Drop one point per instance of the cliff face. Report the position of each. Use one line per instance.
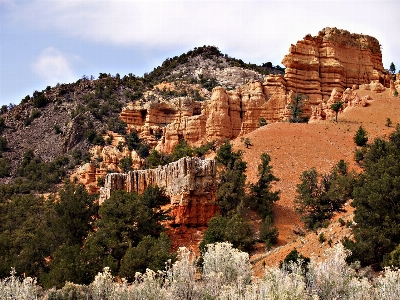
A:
(189, 182)
(333, 59)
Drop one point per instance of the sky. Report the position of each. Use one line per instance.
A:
(43, 43)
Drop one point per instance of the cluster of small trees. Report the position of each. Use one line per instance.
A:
(72, 239)
(376, 199)
(319, 196)
(233, 201)
(182, 149)
(375, 193)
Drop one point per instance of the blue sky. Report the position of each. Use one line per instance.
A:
(46, 42)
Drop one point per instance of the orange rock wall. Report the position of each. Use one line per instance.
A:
(316, 66)
(333, 59)
(189, 182)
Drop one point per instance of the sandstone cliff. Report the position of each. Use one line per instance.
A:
(333, 59)
(189, 182)
(327, 67)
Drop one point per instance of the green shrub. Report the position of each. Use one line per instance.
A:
(150, 253)
(3, 144)
(361, 137)
(319, 196)
(268, 232)
(294, 257)
(94, 137)
(359, 154)
(39, 99)
(57, 129)
(296, 108)
(2, 124)
(262, 122)
(321, 238)
(233, 229)
(116, 125)
(5, 167)
(126, 164)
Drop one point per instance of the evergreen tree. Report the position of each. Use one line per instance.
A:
(392, 68)
(181, 150)
(268, 232)
(377, 202)
(233, 229)
(150, 253)
(336, 107)
(73, 214)
(126, 218)
(319, 196)
(296, 108)
(261, 197)
(361, 137)
(231, 182)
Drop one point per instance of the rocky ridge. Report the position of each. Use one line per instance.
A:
(328, 68)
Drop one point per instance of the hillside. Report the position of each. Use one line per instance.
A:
(295, 148)
(57, 120)
(117, 140)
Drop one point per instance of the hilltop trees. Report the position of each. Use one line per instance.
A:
(392, 68)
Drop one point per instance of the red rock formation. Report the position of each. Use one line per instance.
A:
(322, 67)
(189, 182)
(333, 59)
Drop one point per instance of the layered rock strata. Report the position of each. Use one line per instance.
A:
(333, 61)
(189, 182)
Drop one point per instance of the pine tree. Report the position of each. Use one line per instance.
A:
(261, 197)
(377, 202)
(392, 68)
(231, 182)
(361, 137)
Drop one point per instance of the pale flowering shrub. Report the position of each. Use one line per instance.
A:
(103, 286)
(226, 271)
(234, 265)
(13, 287)
(69, 291)
(331, 278)
(279, 284)
(360, 288)
(226, 275)
(181, 277)
(148, 285)
(387, 286)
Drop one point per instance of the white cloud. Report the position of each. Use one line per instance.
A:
(253, 30)
(53, 66)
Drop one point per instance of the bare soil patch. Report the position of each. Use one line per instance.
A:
(295, 148)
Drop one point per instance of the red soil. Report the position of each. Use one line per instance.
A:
(295, 148)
